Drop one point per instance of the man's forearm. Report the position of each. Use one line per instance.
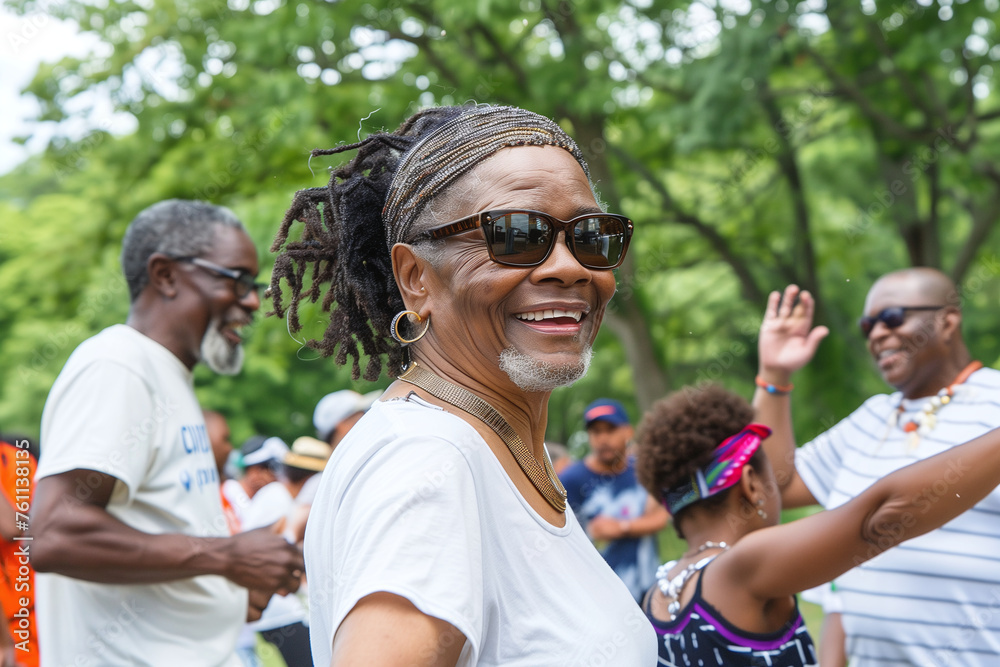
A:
(96, 546)
(775, 411)
(647, 524)
(81, 539)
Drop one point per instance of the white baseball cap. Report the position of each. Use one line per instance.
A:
(338, 406)
(260, 449)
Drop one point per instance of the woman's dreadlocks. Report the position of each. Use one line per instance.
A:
(373, 202)
(345, 245)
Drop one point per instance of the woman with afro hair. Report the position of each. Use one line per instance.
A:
(730, 598)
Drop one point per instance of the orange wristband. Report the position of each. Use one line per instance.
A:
(777, 389)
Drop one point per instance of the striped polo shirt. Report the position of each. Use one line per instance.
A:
(933, 600)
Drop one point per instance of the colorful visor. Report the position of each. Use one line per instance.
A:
(722, 472)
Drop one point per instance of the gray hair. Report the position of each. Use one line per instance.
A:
(175, 227)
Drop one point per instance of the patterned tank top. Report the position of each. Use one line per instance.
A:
(701, 637)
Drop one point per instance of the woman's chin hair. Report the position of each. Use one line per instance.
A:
(532, 375)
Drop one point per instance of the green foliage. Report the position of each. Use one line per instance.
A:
(778, 143)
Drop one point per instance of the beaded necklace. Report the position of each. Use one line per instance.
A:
(672, 587)
(925, 420)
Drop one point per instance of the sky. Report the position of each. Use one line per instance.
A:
(25, 42)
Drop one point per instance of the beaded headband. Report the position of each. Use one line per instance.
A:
(453, 149)
(722, 472)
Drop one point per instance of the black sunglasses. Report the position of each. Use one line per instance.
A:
(890, 317)
(243, 281)
(517, 237)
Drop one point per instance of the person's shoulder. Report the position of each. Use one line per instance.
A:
(875, 408)
(108, 354)
(272, 492)
(406, 432)
(881, 401)
(414, 419)
(987, 378)
(117, 344)
(575, 471)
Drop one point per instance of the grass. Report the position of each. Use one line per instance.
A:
(269, 655)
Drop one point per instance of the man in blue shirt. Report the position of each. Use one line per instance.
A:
(609, 502)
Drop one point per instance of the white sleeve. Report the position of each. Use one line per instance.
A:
(307, 494)
(268, 505)
(408, 524)
(104, 419)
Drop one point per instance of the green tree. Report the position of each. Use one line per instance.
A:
(754, 143)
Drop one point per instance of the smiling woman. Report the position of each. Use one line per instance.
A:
(468, 249)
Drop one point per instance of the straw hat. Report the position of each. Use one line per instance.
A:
(308, 454)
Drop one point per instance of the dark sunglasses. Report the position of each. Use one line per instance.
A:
(516, 237)
(243, 281)
(890, 317)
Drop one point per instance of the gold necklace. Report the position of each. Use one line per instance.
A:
(542, 478)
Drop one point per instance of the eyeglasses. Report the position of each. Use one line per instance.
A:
(517, 237)
(890, 317)
(243, 281)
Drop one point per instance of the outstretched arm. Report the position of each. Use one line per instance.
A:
(75, 536)
(780, 561)
(787, 343)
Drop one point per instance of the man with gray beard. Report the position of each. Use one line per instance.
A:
(127, 522)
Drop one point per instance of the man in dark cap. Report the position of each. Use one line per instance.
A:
(610, 503)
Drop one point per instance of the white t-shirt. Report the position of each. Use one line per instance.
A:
(124, 405)
(271, 503)
(935, 599)
(414, 503)
(307, 494)
(237, 497)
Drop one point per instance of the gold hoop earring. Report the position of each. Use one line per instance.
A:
(394, 327)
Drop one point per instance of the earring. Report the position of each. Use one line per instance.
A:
(760, 511)
(394, 327)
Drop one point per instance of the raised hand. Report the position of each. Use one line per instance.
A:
(787, 338)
